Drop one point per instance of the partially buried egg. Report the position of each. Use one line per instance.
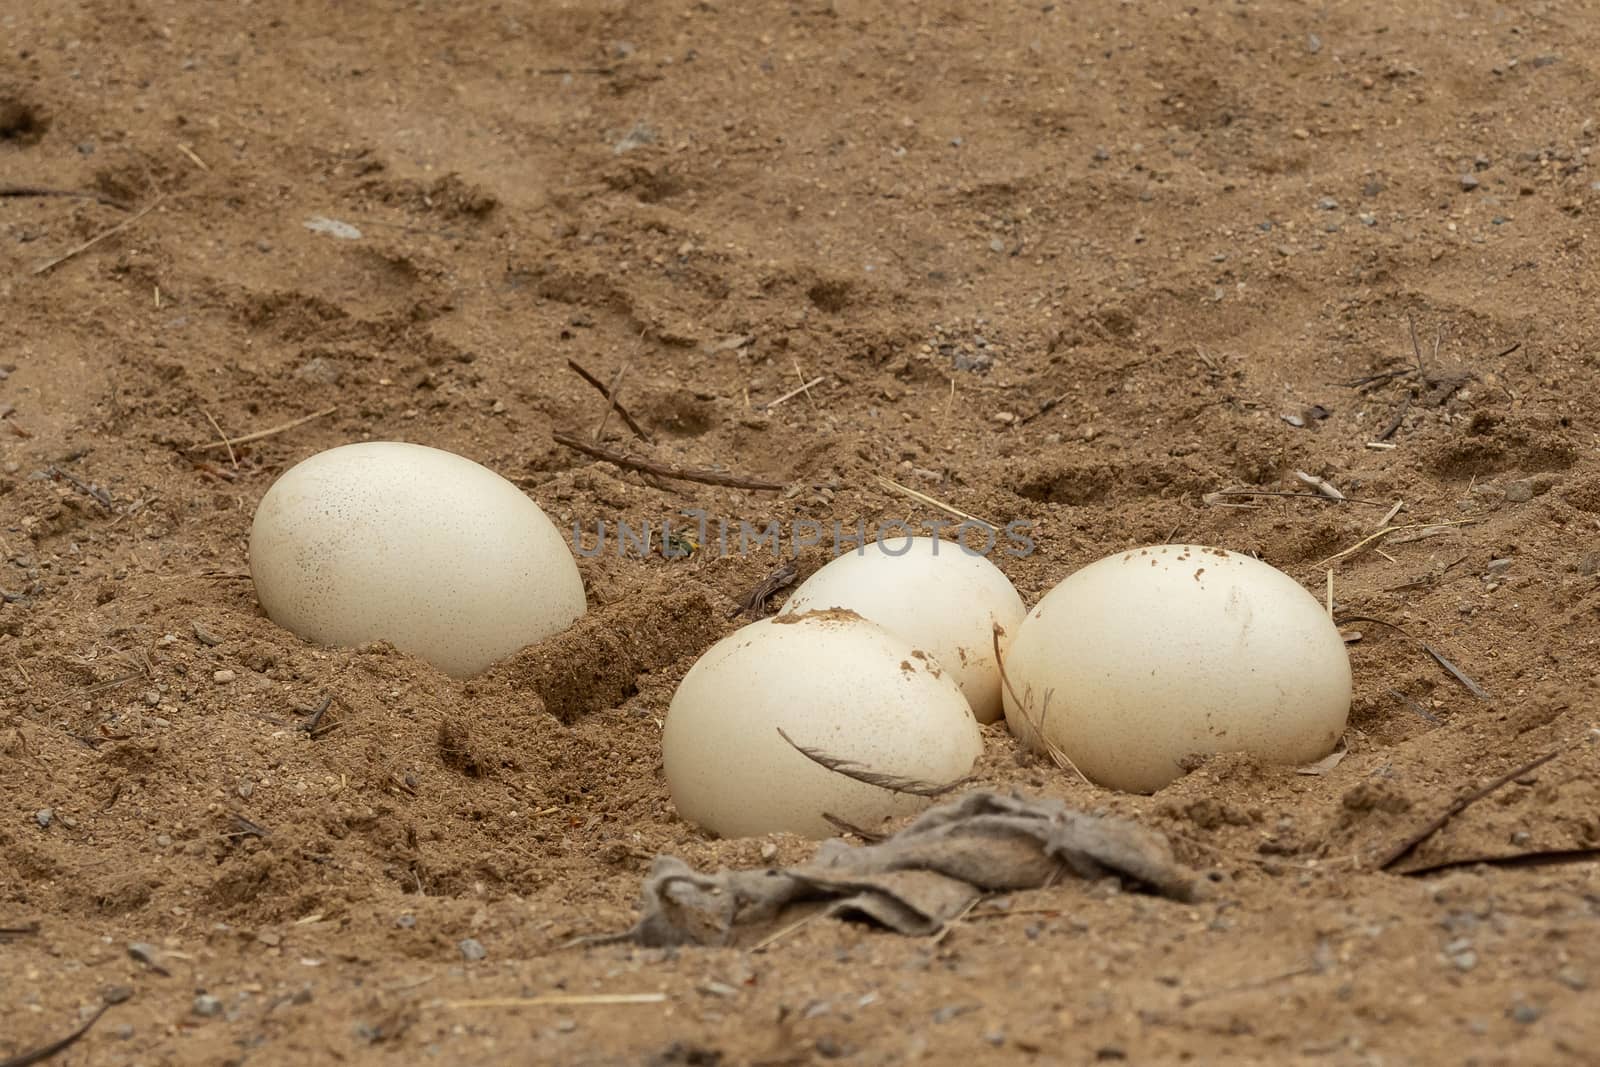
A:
(935, 594)
(1151, 655)
(847, 691)
(416, 546)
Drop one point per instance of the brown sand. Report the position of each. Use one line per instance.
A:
(1174, 225)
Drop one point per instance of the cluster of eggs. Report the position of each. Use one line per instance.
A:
(874, 676)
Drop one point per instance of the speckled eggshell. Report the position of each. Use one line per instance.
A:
(416, 546)
(1154, 654)
(833, 682)
(934, 594)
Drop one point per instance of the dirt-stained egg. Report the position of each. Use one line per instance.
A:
(420, 547)
(842, 688)
(935, 594)
(1154, 654)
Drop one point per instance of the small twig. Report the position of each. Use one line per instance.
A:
(611, 400)
(1386, 531)
(193, 158)
(857, 773)
(1366, 383)
(890, 483)
(1426, 715)
(1053, 750)
(803, 387)
(1455, 672)
(1220, 494)
(97, 238)
(246, 828)
(37, 190)
(1536, 857)
(260, 435)
(313, 725)
(1394, 423)
(951, 923)
(1188, 999)
(1048, 405)
(225, 442)
(50, 1051)
(604, 71)
(11, 933)
(665, 470)
(94, 492)
(784, 931)
(569, 1000)
(871, 837)
(633, 424)
(1400, 849)
(1321, 485)
(756, 599)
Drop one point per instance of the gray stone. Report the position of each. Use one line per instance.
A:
(1519, 492)
(472, 949)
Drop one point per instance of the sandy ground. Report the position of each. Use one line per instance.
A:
(1080, 264)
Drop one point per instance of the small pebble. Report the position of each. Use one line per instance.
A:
(472, 949)
(769, 851)
(207, 1005)
(1589, 564)
(1519, 492)
(44, 817)
(144, 952)
(1499, 566)
(223, 677)
(151, 697)
(1469, 182)
(1573, 979)
(1526, 1013)
(1004, 418)
(1465, 961)
(406, 921)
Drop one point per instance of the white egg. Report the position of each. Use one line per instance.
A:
(416, 546)
(936, 595)
(1151, 655)
(832, 682)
